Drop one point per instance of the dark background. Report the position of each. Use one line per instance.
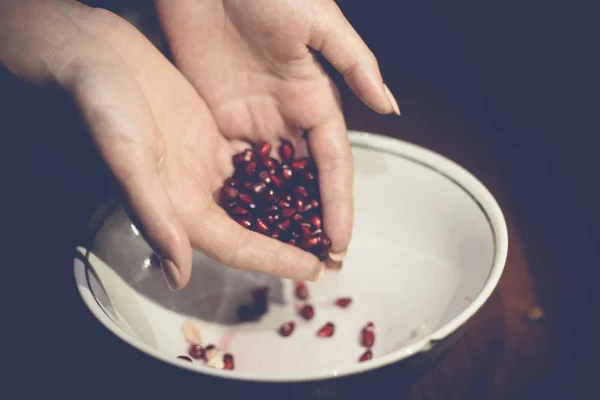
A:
(507, 89)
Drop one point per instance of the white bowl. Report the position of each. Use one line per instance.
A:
(428, 248)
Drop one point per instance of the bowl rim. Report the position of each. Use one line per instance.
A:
(428, 158)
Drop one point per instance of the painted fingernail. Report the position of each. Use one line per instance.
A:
(392, 100)
(171, 273)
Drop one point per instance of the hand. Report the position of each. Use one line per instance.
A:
(152, 129)
(253, 62)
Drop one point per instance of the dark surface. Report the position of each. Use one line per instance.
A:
(501, 89)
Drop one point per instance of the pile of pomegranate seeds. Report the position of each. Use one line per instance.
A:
(279, 199)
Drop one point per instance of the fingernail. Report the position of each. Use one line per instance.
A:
(392, 100)
(171, 273)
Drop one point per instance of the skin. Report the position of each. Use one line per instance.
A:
(254, 64)
(160, 139)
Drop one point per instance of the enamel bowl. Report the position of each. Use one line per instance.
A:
(428, 248)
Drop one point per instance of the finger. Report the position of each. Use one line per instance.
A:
(123, 128)
(341, 45)
(224, 240)
(331, 151)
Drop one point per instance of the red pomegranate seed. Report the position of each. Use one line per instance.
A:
(297, 217)
(299, 204)
(245, 198)
(310, 242)
(283, 204)
(324, 241)
(301, 290)
(343, 302)
(265, 176)
(287, 329)
(228, 193)
(293, 242)
(301, 191)
(268, 163)
(315, 220)
(276, 234)
(366, 356)
(261, 226)
(228, 361)
(270, 196)
(315, 203)
(250, 168)
(287, 173)
(300, 164)
(287, 212)
(283, 225)
(258, 188)
(243, 157)
(231, 182)
(263, 149)
(276, 181)
(196, 351)
(306, 229)
(245, 222)
(367, 337)
(286, 151)
(326, 330)
(239, 211)
(370, 325)
(307, 312)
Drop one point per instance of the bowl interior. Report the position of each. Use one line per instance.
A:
(423, 248)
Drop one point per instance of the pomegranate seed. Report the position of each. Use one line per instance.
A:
(259, 187)
(324, 241)
(242, 158)
(196, 351)
(287, 173)
(310, 242)
(308, 176)
(245, 222)
(315, 220)
(326, 330)
(245, 198)
(276, 234)
(263, 149)
(300, 164)
(287, 329)
(228, 361)
(186, 358)
(315, 203)
(299, 203)
(307, 312)
(276, 181)
(261, 226)
(297, 217)
(287, 212)
(228, 193)
(343, 302)
(268, 163)
(366, 356)
(250, 168)
(265, 176)
(239, 211)
(306, 229)
(293, 242)
(370, 325)
(283, 225)
(301, 191)
(301, 290)
(367, 338)
(286, 151)
(270, 196)
(231, 182)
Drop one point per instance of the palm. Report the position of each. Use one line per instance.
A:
(253, 63)
(161, 142)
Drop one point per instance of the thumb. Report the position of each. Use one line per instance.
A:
(122, 126)
(340, 44)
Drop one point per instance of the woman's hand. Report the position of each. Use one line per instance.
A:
(152, 129)
(253, 62)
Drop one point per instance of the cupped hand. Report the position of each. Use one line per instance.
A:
(254, 64)
(151, 127)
